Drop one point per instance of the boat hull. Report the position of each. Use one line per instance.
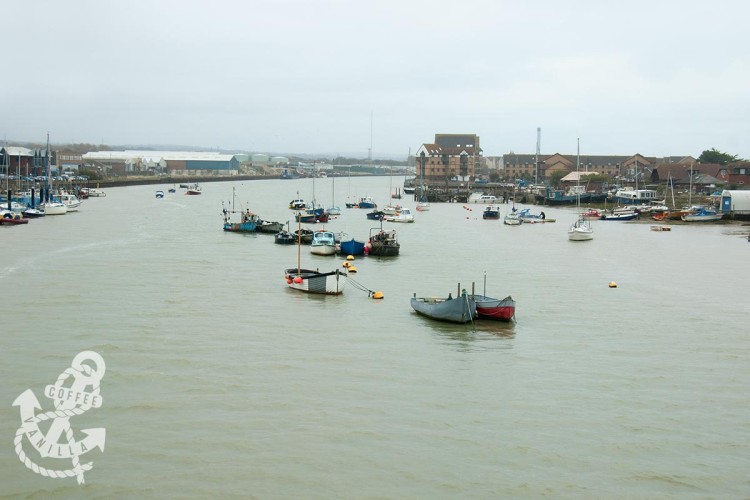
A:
(54, 208)
(322, 249)
(309, 281)
(240, 227)
(352, 247)
(459, 310)
(495, 309)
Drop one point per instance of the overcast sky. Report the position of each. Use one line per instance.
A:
(306, 76)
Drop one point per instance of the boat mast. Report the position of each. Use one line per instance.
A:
(536, 157)
(299, 243)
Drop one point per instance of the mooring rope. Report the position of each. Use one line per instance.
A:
(360, 286)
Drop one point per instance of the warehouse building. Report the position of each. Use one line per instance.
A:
(163, 162)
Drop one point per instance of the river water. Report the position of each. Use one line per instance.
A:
(220, 381)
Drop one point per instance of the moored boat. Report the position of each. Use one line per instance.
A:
(194, 189)
(297, 204)
(366, 202)
(71, 201)
(404, 215)
(491, 212)
(10, 218)
(703, 215)
(285, 238)
(621, 214)
(323, 243)
(526, 216)
(512, 219)
(307, 280)
(497, 309)
(351, 247)
(375, 215)
(382, 243)
(248, 221)
(461, 309)
(160, 194)
(482, 198)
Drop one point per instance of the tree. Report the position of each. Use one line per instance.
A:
(715, 156)
(554, 179)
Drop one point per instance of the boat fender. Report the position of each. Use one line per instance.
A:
(297, 279)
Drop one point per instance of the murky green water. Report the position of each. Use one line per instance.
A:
(222, 382)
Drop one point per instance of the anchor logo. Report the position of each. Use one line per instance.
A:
(70, 401)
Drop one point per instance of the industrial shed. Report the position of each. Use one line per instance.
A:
(736, 203)
(166, 161)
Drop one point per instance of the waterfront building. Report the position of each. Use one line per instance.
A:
(170, 162)
(529, 166)
(450, 157)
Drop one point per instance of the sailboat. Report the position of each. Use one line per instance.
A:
(390, 208)
(334, 209)
(49, 206)
(309, 281)
(581, 229)
(422, 204)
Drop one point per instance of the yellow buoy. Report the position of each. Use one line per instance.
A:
(352, 269)
(612, 284)
(350, 257)
(377, 295)
(345, 264)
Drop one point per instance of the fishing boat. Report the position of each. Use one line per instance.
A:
(526, 216)
(491, 212)
(297, 204)
(703, 215)
(404, 215)
(461, 309)
(323, 243)
(160, 194)
(194, 189)
(366, 202)
(581, 229)
(248, 222)
(382, 243)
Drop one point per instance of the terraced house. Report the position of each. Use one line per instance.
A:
(541, 168)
